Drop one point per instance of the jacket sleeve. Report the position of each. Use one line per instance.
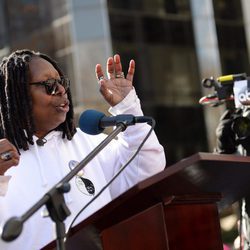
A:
(150, 159)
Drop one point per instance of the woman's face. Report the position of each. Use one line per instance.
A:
(49, 111)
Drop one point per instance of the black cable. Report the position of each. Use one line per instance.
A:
(112, 179)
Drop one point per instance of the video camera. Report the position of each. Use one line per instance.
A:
(231, 88)
(223, 87)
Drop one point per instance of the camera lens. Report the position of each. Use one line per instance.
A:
(241, 127)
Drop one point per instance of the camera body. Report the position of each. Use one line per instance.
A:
(241, 123)
(234, 87)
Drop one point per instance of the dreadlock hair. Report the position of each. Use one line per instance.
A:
(16, 119)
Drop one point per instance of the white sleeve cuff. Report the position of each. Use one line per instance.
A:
(4, 181)
(129, 105)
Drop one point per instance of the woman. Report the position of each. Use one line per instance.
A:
(41, 145)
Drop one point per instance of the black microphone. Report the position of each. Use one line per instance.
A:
(94, 122)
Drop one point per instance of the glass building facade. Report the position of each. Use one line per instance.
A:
(175, 43)
(159, 35)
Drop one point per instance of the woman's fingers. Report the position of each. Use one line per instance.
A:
(110, 68)
(131, 71)
(99, 72)
(118, 66)
(114, 69)
(9, 156)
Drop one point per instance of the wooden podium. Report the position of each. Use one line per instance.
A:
(175, 209)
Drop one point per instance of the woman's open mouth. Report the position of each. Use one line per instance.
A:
(63, 107)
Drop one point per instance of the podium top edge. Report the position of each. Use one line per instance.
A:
(219, 157)
(193, 159)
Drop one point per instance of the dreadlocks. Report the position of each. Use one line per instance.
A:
(16, 119)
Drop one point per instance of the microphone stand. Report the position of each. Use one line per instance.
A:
(54, 199)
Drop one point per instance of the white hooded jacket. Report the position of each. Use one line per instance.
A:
(41, 167)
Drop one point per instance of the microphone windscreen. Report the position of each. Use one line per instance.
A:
(89, 122)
